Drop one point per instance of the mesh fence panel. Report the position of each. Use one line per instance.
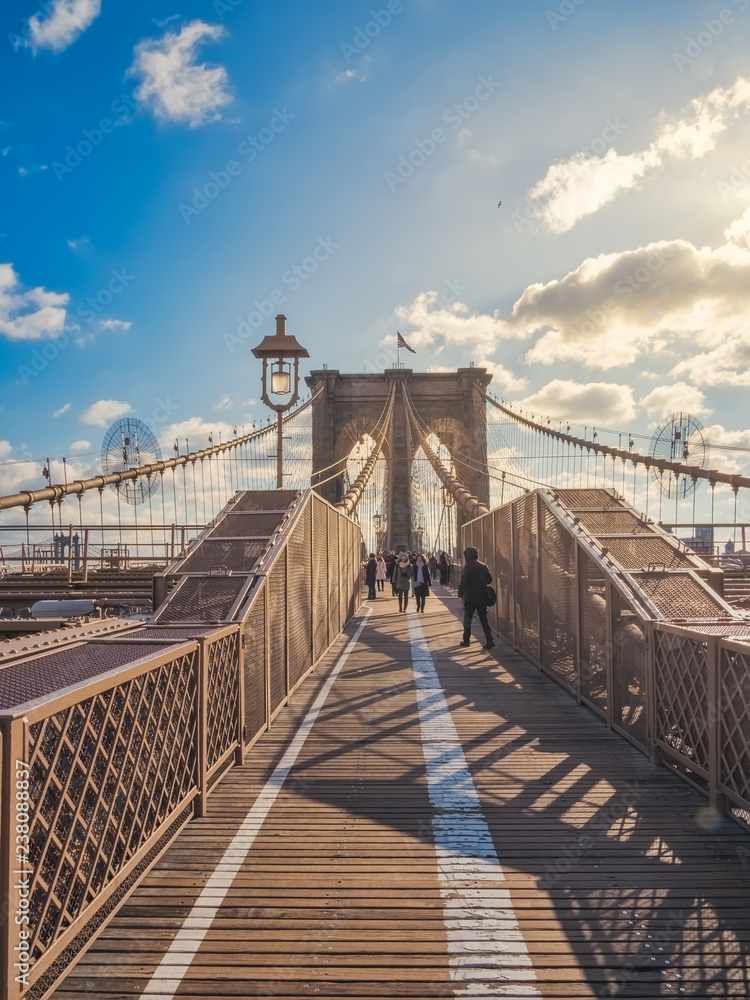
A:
(682, 695)
(203, 599)
(486, 548)
(254, 659)
(29, 680)
(557, 577)
(576, 499)
(277, 607)
(593, 617)
(639, 553)
(503, 572)
(255, 525)
(680, 596)
(734, 763)
(629, 706)
(105, 774)
(299, 597)
(236, 556)
(265, 500)
(526, 576)
(223, 695)
(614, 522)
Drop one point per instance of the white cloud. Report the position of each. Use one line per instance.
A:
(67, 20)
(63, 409)
(739, 231)
(677, 398)
(196, 430)
(661, 297)
(5, 449)
(29, 315)
(174, 86)
(104, 411)
(434, 322)
(114, 324)
(581, 185)
(502, 377)
(224, 403)
(725, 365)
(586, 403)
(80, 446)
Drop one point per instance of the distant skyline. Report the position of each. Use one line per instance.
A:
(174, 176)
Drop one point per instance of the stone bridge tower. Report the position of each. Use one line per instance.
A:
(451, 404)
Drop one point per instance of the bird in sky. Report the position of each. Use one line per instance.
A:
(499, 204)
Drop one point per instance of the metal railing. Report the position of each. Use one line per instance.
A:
(679, 692)
(76, 551)
(109, 747)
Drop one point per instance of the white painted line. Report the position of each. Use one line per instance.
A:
(173, 967)
(489, 956)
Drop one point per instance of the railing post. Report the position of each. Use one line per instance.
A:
(85, 566)
(652, 695)
(239, 754)
(172, 543)
(70, 553)
(609, 649)
(201, 800)
(13, 866)
(713, 664)
(314, 570)
(577, 649)
(513, 547)
(328, 583)
(286, 618)
(267, 651)
(539, 523)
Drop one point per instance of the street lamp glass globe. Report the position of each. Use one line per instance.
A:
(280, 379)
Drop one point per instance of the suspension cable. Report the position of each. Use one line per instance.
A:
(352, 497)
(56, 493)
(466, 500)
(694, 472)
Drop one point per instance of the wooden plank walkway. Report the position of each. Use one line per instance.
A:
(369, 872)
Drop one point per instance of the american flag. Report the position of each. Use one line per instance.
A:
(402, 343)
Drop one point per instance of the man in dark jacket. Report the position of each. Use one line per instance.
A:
(371, 571)
(472, 592)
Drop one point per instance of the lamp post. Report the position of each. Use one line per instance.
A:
(377, 520)
(280, 354)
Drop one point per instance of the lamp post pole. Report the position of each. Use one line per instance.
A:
(283, 352)
(279, 452)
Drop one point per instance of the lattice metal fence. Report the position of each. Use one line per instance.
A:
(108, 747)
(586, 589)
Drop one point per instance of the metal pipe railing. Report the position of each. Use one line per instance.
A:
(690, 471)
(56, 493)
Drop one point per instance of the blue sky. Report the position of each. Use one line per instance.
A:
(241, 139)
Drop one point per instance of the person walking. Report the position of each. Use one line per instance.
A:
(443, 567)
(380, 575)
(371, 570)
(390, 565)
(472, 592)
(403, 575)
(422, 580)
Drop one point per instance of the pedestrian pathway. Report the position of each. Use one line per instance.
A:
(430, 821)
